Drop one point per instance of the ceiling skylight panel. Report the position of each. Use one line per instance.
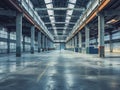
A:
(48, 1)
(69, 12)
(52, 18)
(71, 6)
(72, 1)
(55, 31)
(50, 12)
(67, 21)
(65, 27)
(49, 5)
(68, 18)
(64, 32)
(54, 28)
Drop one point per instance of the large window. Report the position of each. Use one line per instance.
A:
(27, 47)
(3, 45)
(3, 33)
(27, 39)
(13, 35)
(116, 35)
(107, 37)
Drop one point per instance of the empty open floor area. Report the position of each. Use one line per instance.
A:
(59, 70)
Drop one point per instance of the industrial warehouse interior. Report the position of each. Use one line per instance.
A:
(59, 44)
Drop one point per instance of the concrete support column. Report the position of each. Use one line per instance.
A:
(32, 39)
(46, 42)
(101, 28)
(73, 43)
(111, 44)
(39, 42)
(43, 44)
(96, 44)
(18, 34)
(75, 38)
(23, 43)
(8, 42)
(80, 41)
(69, 45)
(76, 41)
(87, 38)
(50, 44)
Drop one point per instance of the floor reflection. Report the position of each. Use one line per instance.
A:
(59, 70)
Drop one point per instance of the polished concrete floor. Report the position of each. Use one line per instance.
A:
(60, 70)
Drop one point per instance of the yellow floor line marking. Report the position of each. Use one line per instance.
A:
(40, 76)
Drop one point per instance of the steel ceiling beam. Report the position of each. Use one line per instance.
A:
(62, 8)
(60, 16)
(59, 28)
(59, 23)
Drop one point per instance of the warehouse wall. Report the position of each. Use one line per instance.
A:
(115, 42)
(4, 40)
